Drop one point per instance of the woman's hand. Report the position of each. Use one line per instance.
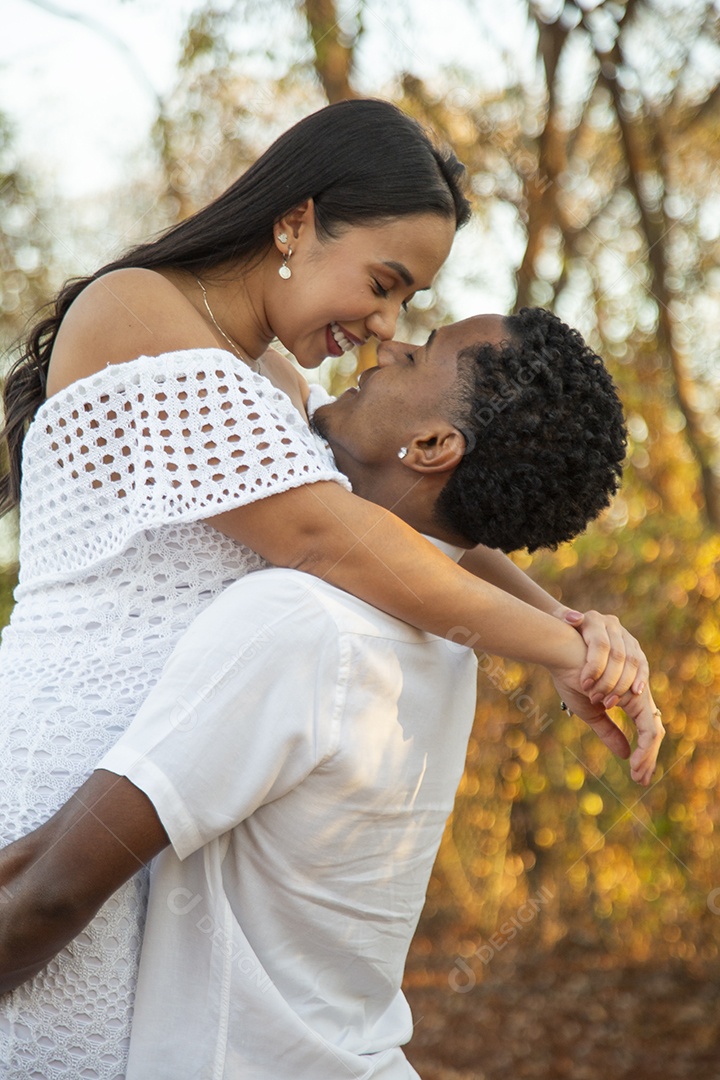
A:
(639, 707)
(648, 720)
(615, 661)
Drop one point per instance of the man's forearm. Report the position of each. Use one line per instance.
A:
(32, 928)
(50, 889)
(29, 941)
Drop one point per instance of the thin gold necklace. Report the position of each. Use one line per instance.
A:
(254, 364)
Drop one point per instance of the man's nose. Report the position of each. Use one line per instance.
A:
(387, 352)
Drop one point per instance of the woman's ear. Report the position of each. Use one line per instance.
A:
(436, 452)
(293, 224)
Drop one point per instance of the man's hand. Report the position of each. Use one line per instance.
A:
(639, 707)
(615, 661)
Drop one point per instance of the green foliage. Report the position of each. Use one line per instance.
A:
(8, 581)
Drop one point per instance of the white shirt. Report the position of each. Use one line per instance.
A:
(302, 751)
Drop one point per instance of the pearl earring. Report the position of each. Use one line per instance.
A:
(402, 452)
(285, 272)
(283, 237)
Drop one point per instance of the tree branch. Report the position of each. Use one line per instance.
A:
(640, 145)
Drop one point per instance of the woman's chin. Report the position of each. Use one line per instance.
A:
(308, 360)
(310, 355)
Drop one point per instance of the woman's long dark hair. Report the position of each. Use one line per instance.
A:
(361, 161)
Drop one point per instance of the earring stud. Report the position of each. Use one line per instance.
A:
(283, 237)
(402, 452)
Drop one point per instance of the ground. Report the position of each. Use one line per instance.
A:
(565, 1014)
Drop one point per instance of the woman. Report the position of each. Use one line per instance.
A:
(146, 481)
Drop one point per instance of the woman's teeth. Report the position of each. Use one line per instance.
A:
(340, 338)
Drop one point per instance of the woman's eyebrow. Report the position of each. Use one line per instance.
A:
(402, 270)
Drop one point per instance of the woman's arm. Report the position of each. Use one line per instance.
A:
(608, 642)
(360, 547)
(367, 551)
(494, 566)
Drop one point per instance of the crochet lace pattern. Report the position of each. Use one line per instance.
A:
(120, 470)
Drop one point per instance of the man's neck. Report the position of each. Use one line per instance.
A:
(410, 496)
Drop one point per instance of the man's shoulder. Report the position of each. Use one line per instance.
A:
(274, 595)
(311, 602)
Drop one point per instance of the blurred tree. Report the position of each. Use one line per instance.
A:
(613, 169)
(658, 110)
(26, 259)
(595, 177)
(26, 253)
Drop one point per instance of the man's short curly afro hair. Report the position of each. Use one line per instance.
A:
(545, 435)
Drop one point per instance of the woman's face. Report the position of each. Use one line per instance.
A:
(343, 292)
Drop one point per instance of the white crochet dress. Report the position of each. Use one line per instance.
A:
(115, 561)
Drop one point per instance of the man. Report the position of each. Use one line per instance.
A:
(302, 750)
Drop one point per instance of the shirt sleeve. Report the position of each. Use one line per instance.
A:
(159, 440)
(248, 705)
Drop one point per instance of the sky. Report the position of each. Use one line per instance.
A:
(78, 102)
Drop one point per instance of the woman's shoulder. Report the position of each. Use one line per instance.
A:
(119, 316)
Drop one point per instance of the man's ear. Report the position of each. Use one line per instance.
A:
(293, 224)
(437, 451)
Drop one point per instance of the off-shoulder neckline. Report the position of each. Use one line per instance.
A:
(88, 380)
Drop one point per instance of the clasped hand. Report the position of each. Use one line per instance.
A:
(615, 673)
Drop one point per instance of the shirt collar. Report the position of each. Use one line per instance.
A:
(454, 552)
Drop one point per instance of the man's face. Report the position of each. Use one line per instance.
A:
(411, 388)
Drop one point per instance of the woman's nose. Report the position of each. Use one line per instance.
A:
(382, 323)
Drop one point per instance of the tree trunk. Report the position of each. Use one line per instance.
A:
(333, 58)
(541, 188)
(637, 143)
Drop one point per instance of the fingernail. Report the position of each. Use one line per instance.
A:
(641, 687)
(610, 701)
(573, 615)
